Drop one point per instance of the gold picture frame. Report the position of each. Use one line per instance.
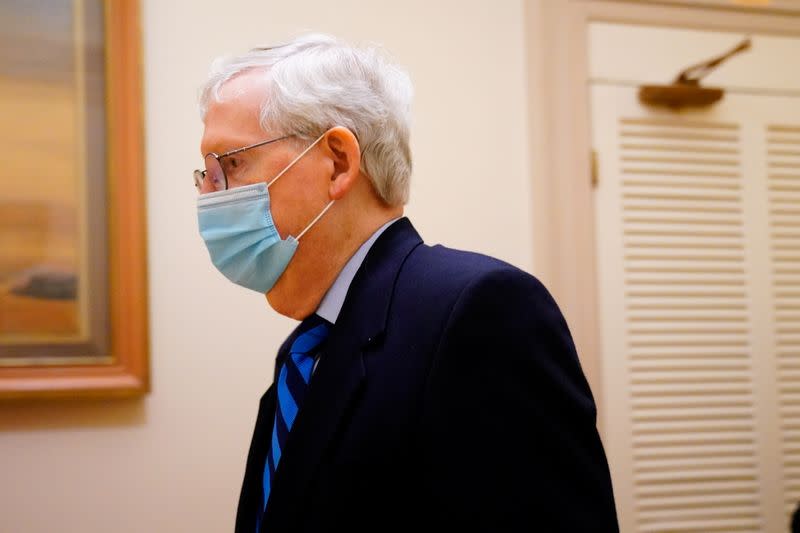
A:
(73, 279)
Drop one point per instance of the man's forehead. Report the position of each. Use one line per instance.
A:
(234, 117)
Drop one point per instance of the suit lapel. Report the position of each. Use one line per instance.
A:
(340, 373)
(250, 499)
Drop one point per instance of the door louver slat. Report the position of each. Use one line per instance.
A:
(783, 162)
(685, 292)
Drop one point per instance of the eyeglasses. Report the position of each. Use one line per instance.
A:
(220, 166)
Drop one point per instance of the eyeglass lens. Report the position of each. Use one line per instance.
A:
(214, 173)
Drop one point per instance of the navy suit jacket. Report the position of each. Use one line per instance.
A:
(448, 396)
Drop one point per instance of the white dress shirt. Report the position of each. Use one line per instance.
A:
(331, 304)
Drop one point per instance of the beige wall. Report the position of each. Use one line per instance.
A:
(174, 461)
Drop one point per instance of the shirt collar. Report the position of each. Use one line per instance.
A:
(332, 303)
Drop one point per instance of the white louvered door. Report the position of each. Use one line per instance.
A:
(698, 246)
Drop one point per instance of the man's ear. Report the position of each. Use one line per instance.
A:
(341, 146)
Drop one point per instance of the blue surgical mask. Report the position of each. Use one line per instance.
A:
(241, 236)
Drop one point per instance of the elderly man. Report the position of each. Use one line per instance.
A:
(425, 388)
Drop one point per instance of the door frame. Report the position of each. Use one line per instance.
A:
(560, 147)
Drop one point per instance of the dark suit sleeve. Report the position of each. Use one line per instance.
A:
(508, 438)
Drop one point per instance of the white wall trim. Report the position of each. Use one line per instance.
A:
(769, 7)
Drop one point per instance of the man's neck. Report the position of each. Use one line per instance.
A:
(300, 290)
(333, 301)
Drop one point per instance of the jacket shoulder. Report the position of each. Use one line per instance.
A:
(457, 270)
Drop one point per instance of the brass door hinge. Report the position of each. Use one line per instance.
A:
(595, 173)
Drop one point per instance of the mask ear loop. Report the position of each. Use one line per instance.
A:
(290, 165)
(315, 219)
(295, 160)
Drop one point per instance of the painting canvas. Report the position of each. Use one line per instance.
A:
(51, 98)
(71, 140)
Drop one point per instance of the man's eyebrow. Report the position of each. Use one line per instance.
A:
(220, 146)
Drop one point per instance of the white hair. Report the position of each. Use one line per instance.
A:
(316, 82)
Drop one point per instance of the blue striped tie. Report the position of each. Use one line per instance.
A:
(292, 384)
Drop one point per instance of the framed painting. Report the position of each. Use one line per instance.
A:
(73, 289)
